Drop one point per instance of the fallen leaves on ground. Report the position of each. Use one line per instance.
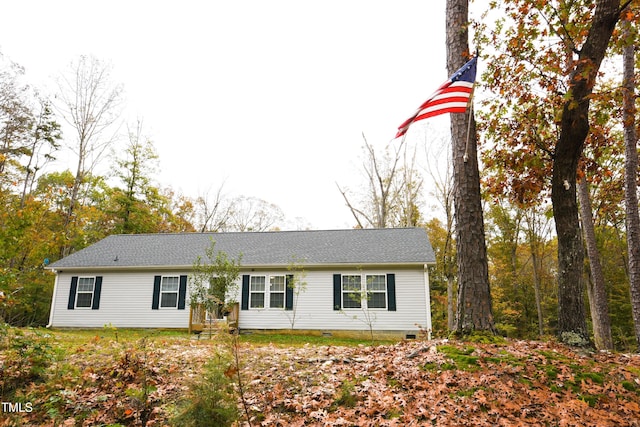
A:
(442, 383)
(412, 383)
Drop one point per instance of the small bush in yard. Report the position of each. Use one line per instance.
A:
(211, 400)
(25, 358)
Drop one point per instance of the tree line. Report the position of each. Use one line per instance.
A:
(553, 191)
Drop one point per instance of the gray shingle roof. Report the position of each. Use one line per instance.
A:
(355, 246)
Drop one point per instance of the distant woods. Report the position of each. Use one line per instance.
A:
(556, 112)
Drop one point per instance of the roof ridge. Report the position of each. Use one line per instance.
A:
(180, 233)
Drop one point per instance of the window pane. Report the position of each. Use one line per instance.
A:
(277, 283)
(277, 300)
(351, 300)
(84, 299)
(85, 284)
(257, 300)
(377, 300)
(169, 299)
(258, 283)
(376, 283)
(351, 283)
(170, 284)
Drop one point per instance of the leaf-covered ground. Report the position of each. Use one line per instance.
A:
(415, 383)
(444, 383)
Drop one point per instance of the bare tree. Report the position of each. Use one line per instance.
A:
(16, 120)
(377, 201)
(253, 214)
(391, 195)
(44, 142)
(213, 212)
(409, 190)
(89, 103)
(443, 192)
(536, 228)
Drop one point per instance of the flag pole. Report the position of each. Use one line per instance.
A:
(466, 148)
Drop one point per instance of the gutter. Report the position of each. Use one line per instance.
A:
(412, 264)
(53, 299)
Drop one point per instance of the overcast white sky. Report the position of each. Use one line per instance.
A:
(271, 96)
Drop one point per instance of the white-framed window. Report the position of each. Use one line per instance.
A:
(169, 291)
(257, 288)
(372, 296)
(376, 290)
(277, 286)
(351, 291)
(84, 292)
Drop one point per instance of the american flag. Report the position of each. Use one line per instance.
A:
(451, 97)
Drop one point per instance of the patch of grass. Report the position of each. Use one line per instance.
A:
(346, 397)
(393, 413)
(551, 371)
(503, 357)
(629, 386)
(555, 388)
(484, 337)
(460, 358)
(466, 392)
(552, 355)
(595, 377)
(590, 399)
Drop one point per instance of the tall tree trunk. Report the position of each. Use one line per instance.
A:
(574, 126)
(595, 287)
(474, 311)
(533, 237)
(451, 317)
(631, 173)
(537, 291)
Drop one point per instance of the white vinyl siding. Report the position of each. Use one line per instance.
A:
(125, 302)
(314, 305)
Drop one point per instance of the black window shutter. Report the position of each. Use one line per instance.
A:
(97, 288)
(244, 303)
(337, 291)
(391, 292)
(72, 293)
(182, 292)
(156, 292)
(288, 297)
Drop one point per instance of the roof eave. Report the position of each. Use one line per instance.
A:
(414, 264)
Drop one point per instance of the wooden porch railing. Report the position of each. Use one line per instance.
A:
(198, 319)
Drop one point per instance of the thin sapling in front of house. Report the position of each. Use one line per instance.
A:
(367, 298)
(214, 283)
(296, 284)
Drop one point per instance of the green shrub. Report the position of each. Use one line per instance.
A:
(26, 357)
